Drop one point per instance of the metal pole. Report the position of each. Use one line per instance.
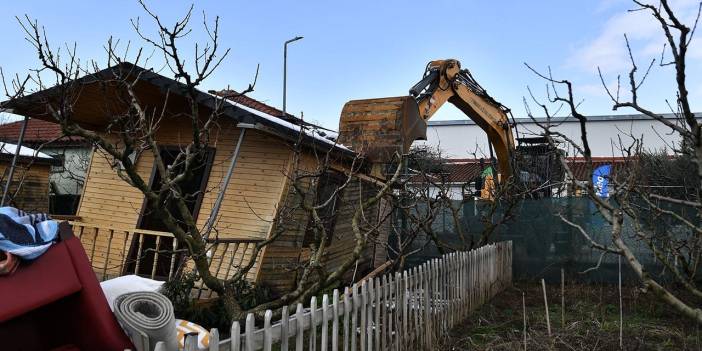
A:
(285, 70)
(6, 190)
(285, 76)
(225, 183)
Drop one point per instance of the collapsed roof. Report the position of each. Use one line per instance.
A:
(95, 99)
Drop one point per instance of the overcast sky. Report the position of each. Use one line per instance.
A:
(367, 49)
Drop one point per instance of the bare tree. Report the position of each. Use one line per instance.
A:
(635, 197)
(427, 192)
(132, 129)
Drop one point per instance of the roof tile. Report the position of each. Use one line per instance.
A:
(38, 131)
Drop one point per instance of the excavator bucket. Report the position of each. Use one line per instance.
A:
(379, 128)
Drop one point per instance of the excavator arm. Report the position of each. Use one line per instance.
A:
(379, 128)
(444, 81)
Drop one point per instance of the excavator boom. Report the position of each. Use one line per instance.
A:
(379, 128)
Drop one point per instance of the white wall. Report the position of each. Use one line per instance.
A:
(461, 139)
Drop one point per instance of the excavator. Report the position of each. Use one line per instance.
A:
(380, 128)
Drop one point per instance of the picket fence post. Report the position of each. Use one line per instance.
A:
(398, 311)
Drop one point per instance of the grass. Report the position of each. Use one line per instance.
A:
(591, 321)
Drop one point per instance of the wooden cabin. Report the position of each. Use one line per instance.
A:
(117, 232)
(66, 178)
(29, 189)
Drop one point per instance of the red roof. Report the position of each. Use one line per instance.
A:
(466, 169)
(234, 96)
(38, 131)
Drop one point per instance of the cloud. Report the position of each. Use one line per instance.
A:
(608, 49)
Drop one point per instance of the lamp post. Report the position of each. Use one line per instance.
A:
(285, 69)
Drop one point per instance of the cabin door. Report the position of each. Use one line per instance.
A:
(159, 260)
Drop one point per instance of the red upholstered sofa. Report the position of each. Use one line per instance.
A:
(55, 303)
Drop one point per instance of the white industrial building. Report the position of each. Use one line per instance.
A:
(464, 139)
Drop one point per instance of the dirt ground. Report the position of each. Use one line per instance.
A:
(591, 321)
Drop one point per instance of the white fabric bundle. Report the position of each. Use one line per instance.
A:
(147, 318)
(127, 284)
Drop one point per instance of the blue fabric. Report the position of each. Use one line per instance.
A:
(26, 235)
(600, 179)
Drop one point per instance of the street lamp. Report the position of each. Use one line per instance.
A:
(285, 69)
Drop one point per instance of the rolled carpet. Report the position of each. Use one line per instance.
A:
(147, 318)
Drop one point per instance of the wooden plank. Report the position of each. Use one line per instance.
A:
(427, 312)
(156, 254)
(109, 246)
(300, 328)
(249, 332)
(376, 324)
(354, 315)
(384, 304)
(405, 309)
(369, 311)
(267, 339)
(364, 320)
(414, 308)
(325, 319)
(392, 301)
(313, 324)
(335, 320)
(214, 339)
(284, 328)
(347, 312)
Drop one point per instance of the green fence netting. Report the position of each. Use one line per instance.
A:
(543, 243)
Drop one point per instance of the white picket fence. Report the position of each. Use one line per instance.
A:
(402, 311)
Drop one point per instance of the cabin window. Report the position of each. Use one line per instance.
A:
(60, 167)
(193, 190)
(327, 187)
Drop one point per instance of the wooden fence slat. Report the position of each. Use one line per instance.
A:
(415, 304)
(235, 337)
(138, 258)
(221, 260)
(214, 339)
(267, 339)
(284, 328)
(364, 319)
(325, 319)
(384, 313)
(354, 315)
(369, 310)
(92, 247)
(347, 312)
(107, 254)
(124, 251)
(231, 260)
(398, 311)
(249, 332)
(405, 309)
(299, 337)
(391, 312)
(174, 257)
(153, 268)
(399, 341)
(313, 323)
(335, 320)
(427, 312)
(376, 323)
